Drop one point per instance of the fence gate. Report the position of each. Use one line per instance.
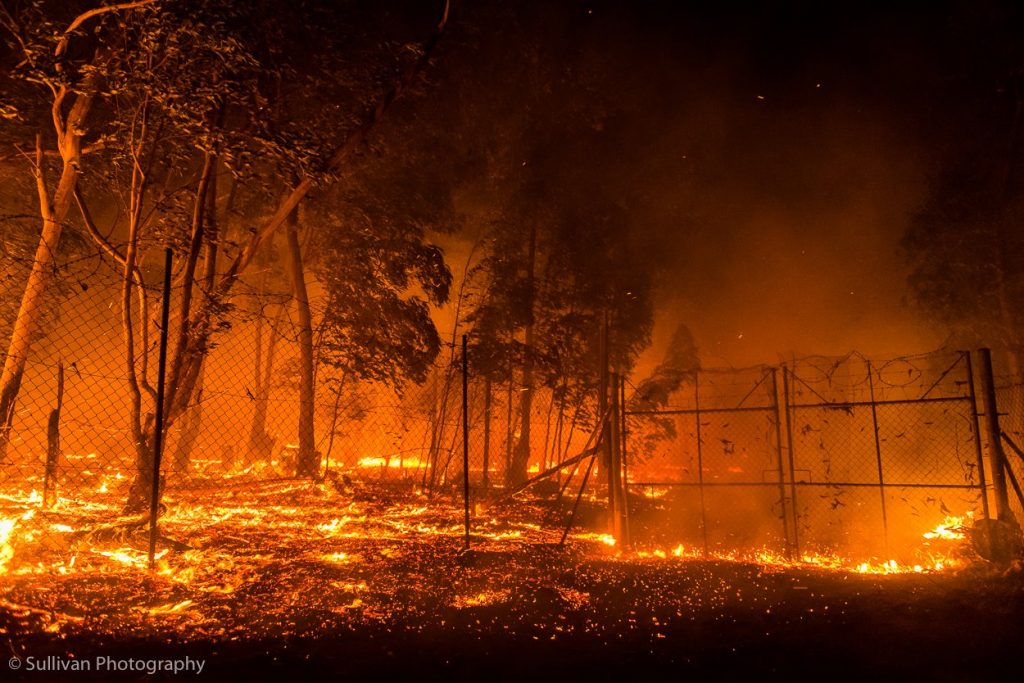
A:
(843, 456)
(712, 462)
(882, 452)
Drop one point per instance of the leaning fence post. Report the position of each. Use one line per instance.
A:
(158, 426)
(778, 454)
(792, 458)
(465, 430)
(700, 461)
(878, 456)
(996, 454)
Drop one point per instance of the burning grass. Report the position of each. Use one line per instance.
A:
(305, 562)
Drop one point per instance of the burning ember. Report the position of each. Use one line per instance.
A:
(212, 549)
(302, 560)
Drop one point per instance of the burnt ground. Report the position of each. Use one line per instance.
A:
(375, 590)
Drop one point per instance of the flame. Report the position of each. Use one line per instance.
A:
(606, 539)
(172, 608)
(951, 529)
(6, 548)
(254, 540)
(7, 527)
(336, 558)
(773, 559)
(390, 461)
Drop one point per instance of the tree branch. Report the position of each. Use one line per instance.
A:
(62, 45)
(334, 164)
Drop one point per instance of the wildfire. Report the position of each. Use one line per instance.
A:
(606, 539)
(293, 547)
(951, 529)
(390, 462)
(6, 549)
(7, 527)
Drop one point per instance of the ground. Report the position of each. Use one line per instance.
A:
(292, 584)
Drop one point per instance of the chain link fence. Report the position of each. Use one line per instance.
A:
(819, 455)
(1010, 399)
(712, 456)
(241, 426)
(816, 454)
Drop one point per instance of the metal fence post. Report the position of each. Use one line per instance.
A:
(465, 430)
(487, 434)
(700, 461)
(792, 459)
(158, 425)
(995, 444)
(878, 456)
(978, 453)
(778, 454)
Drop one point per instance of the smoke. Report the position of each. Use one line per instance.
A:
(769, 161)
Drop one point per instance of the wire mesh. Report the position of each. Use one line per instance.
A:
(829, 453)
(841, 455)
(241, 424)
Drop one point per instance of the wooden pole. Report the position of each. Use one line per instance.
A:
(997, 457)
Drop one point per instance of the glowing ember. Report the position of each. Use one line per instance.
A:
(481, 599)
(300, 547)
(337, 558)
(392, 461)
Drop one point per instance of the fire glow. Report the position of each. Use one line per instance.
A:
(227, 544)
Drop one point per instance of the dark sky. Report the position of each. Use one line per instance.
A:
(783, 149)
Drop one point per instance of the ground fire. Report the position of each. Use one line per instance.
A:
(476, 340)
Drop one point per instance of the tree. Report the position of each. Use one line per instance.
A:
(678, 367)
(964, 244)
(71, 84)
(195, 93)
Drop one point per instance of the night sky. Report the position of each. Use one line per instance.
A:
(783, 149)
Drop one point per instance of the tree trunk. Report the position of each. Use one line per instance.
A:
(53, 213)
(191, 345)
(509, 416)
(191, 422)
(308, 462)
(53, 442)
(261, 444)
(521, 456)
(192, 419)
(334, 423)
